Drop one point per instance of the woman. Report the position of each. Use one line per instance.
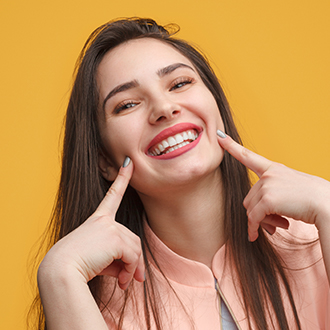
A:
(174, 238)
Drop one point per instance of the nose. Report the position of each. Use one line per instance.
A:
(164, 109)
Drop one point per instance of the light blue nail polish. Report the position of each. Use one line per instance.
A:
(221, 134)
(126, 161)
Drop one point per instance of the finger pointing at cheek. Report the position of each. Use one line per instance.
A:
(112, 200)
(258, 164)
(261, 211)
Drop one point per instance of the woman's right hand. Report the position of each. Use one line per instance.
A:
(100, 246)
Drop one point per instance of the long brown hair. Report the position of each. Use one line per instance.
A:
(82, 187)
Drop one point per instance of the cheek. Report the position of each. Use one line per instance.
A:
(214, 116)
(121, 139)
(205, 104)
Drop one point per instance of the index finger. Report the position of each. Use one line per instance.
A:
(253, 161)
(114, 195)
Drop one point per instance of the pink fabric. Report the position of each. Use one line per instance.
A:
(194, 284)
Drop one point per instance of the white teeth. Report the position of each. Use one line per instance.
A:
(174, 142)
(171, 141)
(165, 144)
(178, 138)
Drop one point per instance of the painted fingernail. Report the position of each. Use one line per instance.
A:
(221, 134)
(126, 161)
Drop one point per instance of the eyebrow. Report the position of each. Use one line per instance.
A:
(134, 83)
(120, 88)
(170, 68)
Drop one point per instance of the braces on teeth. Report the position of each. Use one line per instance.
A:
(174, 142)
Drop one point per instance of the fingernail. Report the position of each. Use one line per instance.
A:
(126, 161)
(221, 134)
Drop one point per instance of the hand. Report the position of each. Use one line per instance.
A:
(101, 246)
(280, 192)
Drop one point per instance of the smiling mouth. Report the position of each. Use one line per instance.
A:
(174, 142)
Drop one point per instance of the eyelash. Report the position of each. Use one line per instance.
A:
(176, 85)
(125, 105)
(181, 81)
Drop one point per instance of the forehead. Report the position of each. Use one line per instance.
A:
(136, 58)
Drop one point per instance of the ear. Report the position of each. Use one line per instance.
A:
(107, 168)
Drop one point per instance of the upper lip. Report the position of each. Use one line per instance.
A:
(171, 131)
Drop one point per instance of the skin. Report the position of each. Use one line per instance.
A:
(283, 192)
(159, 102)
(180, 195)
(175, 192)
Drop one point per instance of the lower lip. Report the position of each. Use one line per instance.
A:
(179, 151)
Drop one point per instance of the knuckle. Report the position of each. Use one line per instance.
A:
(264, 188)
(245, 203)
(122, 175)
(250, 221)
(100, 220)
(137, 240)
(136, 259)
(113, 191)
(116, 242)
(267, 200)
(253, 220)
(139, 253)
(138, 247)
(245, 152)
(104, 218)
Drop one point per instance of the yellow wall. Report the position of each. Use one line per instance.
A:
(272, 56)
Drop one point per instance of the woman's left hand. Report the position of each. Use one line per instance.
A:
(280, 192)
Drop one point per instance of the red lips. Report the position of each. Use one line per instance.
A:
(171, 132)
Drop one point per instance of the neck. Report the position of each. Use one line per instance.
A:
(190, 220)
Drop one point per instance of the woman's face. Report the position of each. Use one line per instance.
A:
(155, 109)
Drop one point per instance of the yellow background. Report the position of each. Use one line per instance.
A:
(272, 57)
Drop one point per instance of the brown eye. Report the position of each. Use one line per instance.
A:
(125, 105)
(181, 83)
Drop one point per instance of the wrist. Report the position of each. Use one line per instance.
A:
(320, 204)
(58, 273)
(322, 215)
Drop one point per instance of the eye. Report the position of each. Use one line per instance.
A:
(124, 106)
(181, 82)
